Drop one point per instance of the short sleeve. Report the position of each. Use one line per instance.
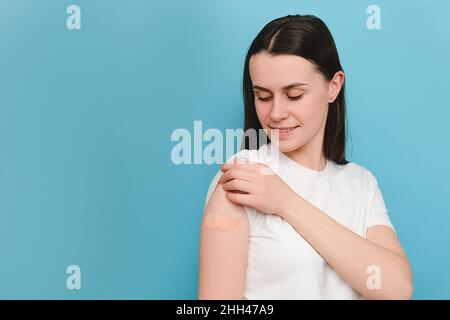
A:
(251, 212)
(377, 212)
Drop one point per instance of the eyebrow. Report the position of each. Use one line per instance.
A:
(290, 86)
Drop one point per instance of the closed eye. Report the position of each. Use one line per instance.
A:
(291, 98)
(264, 99)
(296, 97)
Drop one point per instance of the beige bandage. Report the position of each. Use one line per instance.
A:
(223, 223)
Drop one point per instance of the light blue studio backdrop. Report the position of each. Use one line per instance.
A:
(86, 117)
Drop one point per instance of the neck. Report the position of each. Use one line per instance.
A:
(314, 161)
(310, 155)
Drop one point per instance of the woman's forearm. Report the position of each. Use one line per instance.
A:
(349, 254)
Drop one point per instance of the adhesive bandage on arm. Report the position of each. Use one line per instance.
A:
(222, 223)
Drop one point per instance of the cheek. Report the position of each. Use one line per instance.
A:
(263, 113)
(311, 110)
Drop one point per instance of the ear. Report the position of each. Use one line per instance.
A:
(335, 85)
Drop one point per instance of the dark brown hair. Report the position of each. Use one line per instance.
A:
(306, 36)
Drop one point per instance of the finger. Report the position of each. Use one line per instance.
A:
(238, 161)
(240, 198)
(247, 166)
(236, 173)
(238, 185)
(260, 168)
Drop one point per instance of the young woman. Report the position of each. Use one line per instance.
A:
(318, 228)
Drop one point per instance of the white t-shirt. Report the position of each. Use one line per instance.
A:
(281, 264)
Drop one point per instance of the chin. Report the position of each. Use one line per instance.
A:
(288, 145)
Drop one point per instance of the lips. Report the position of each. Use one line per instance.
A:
(284, 129)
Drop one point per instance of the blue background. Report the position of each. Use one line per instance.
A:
(86, 118)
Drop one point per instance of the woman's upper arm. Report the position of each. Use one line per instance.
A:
(223, 249)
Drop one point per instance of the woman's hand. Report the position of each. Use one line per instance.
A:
(257, 186)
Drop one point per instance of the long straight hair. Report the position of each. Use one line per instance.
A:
(306, 36)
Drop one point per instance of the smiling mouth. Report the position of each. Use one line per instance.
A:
(283, 129)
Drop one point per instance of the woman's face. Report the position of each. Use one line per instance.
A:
(290, 93)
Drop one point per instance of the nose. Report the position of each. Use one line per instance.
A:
(279, 110)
